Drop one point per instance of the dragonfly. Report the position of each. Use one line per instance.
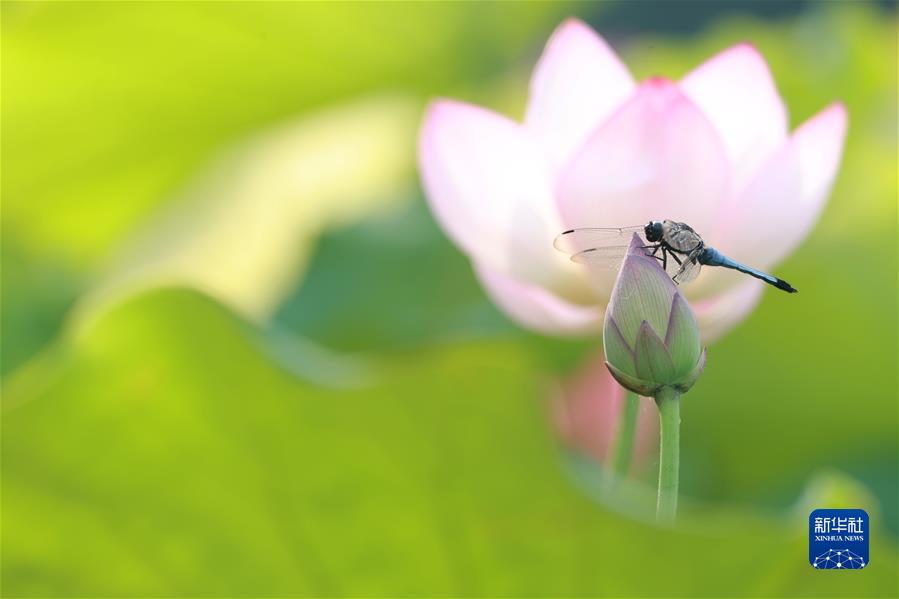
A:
(677, 246)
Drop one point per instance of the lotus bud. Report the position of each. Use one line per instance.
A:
(650, 336)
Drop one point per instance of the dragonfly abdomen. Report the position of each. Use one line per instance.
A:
(713, 257)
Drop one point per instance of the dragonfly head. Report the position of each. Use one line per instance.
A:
(653, 231)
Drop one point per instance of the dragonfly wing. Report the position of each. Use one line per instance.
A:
(608, 257)
(576, 241)
(688, 271)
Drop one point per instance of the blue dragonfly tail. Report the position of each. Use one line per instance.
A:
(713, 257)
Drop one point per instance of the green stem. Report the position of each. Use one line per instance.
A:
(624, 441)
(668, 401)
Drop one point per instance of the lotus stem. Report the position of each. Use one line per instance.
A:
(668, 401)
(623, 450)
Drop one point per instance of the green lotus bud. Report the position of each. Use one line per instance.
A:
(650, 336)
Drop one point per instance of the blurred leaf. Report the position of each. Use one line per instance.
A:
(130, 99)
(417, 288)
(168, 450)
(243, 233)
(109, 109)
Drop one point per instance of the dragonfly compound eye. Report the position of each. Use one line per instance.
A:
(653, 231)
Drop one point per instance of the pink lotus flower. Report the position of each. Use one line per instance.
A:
(598, 150)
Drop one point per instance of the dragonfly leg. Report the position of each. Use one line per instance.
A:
(676, 259)
(664, 259)
(655, 248)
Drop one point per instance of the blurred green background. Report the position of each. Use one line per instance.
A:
(240, 359)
